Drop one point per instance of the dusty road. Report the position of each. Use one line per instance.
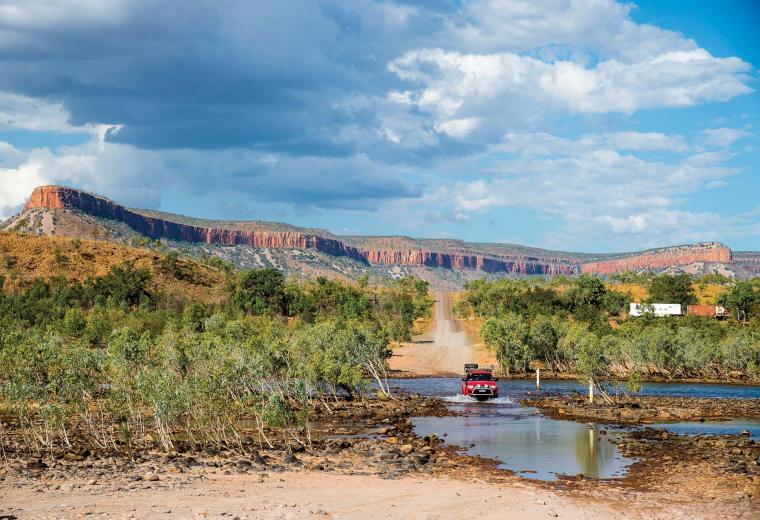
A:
(445, 349)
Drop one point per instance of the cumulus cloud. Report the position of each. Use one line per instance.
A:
(456, 84)
(326, 105)
(594, 189)
(22, 112)
(249, 178)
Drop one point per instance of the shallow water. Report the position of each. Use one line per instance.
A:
(538, 447)
(733, 427)
(531, 445)
(443, 386)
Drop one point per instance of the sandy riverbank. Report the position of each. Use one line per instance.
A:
(297, 494)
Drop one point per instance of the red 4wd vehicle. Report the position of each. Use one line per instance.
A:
(479, 383)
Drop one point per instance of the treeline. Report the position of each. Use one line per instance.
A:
(579, 327)
(114, 362)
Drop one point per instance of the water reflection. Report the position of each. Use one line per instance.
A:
(540, 447)
(529, 444)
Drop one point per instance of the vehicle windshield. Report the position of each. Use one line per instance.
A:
(479, 377)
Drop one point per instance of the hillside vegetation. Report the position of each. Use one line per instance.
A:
(24, 258)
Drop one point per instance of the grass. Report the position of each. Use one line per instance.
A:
(25, 257)
(707, 294)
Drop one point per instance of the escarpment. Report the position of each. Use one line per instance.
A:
(378, 251)
(710, 252)
(517, 264)
(56, 197)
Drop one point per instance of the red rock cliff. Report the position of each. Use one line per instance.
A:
(517, 264)
(711, 252)
(56, 197)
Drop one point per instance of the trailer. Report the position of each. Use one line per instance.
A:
(657, 309)
(710, 311)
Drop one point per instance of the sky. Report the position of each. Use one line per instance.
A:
(581, 125)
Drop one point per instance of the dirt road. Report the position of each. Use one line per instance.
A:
(442, 351)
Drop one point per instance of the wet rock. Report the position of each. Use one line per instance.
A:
(243, 465)
(257, 458)
(289, 458)
(36, 463)
(72, 457)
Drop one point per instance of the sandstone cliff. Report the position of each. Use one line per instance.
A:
(517, 264)
(711, 252)
(56, 197)
(379, 251)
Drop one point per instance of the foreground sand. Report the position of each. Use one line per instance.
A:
(301, 494)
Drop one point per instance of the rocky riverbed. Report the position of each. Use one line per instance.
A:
(373, 442)
(643, 409)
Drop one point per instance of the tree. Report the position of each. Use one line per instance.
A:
(588, 290)
(614, 302)
(261, 291)
(741, 299)
(543, 338)
(508, 338)
(667, 288)
(124, 286)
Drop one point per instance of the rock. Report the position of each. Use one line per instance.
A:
(289, 458)
(392, 440)
(243, 465)
(406, 449)
(150, 477)
(257, 458)
(72, 457)
(746, 433)
(36, 464)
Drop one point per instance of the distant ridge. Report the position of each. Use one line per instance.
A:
(389, 253)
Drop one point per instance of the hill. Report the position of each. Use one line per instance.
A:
(24, 258)
(446, 263)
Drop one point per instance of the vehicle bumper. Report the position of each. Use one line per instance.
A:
(483, 392)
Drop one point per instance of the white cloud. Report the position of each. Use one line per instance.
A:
(647, 141)
(593, 188)
(456, 85)
(32, 114)
(722, 137)
(245, 182)
(458, 127)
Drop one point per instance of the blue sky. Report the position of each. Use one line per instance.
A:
(587, 125)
